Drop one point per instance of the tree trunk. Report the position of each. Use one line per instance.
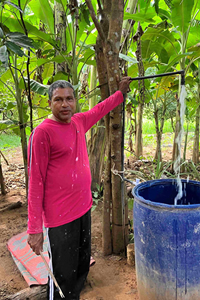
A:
(96, 140)
(111, 52)
(141, 87)
(2, 184)
(107, 194)
(159, 131)
(177, 130)
(129, 110)
(112, 14)
(138, 136)
(96, 151)
(28, 82)
(185, 145)
(158, 153)
(22, 124)
(60, 34)
(107, 238)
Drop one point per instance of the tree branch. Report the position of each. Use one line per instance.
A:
(100, 8)
(94, 18)
(28, 86)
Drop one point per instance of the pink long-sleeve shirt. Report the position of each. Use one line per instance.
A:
(59, 171)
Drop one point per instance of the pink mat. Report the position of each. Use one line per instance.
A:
(29, 264)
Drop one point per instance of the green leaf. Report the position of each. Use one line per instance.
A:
(4, 55)
(34, 32)
(14, 5)
(38, 87)
(141, 16)
(61, 76)
(176, 58)
(1, 33)
(149, 47)
(193, 37)
(86, 15)
(88, 53)
(11, 105)
(16, 131)
(169, 3)
(5, 124)
(95, 194)
(164, 13)
(5, 76)
(20, 39)
(159, 35)
(43, 109)
(14, 48)
(128, 58)
(35, 86)
(43, 11)
(95, 93)
(156, 4)
(181, 14)
(48, 71)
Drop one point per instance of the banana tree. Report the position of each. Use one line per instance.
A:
(169, 48)
(14, 63)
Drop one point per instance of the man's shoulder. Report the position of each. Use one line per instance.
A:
(44, 125)
(42, 128)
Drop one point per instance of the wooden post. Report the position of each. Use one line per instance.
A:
(2, 184)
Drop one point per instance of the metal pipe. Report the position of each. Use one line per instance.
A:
(122, 182)
(182, 73)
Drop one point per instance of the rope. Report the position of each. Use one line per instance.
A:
(117, 173)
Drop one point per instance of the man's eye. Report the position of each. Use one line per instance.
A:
(58, 99)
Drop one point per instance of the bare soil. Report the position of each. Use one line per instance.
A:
(110, 278)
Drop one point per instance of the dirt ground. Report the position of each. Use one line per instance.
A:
(110, 278)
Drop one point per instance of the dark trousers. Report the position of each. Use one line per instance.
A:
(69, 251)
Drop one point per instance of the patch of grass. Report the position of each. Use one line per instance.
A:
(150, 128)
(149, 140)
(9, 141)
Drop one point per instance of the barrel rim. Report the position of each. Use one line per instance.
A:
(158, 204)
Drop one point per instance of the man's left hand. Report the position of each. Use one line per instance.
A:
(124, 85)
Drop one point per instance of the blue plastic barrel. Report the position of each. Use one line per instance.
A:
(167, 240)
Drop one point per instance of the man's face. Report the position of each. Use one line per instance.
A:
(63, 104)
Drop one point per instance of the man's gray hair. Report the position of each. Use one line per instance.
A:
(62, 84)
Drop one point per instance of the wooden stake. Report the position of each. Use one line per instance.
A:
(52, 276)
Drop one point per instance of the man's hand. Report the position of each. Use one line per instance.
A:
(124, 85)
(35, 241)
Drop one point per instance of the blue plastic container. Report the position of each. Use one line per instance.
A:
(167, 240)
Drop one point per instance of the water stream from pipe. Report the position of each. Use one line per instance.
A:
(177, 163)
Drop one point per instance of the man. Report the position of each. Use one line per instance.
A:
(59, 186)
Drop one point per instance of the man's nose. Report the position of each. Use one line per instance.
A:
(65, 103)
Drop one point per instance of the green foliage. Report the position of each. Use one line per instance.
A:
(13, 42)
(181, 14)
(9, 141)
(156, 170)
(97, 195)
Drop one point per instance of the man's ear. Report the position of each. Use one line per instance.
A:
(49, 101)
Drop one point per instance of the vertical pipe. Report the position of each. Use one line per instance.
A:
(122, 174)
